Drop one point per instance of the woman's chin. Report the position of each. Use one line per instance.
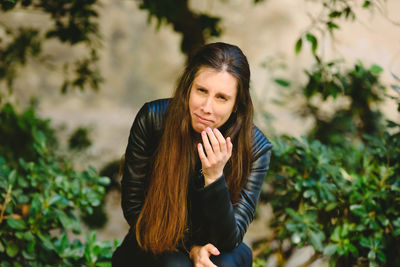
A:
(199, 127)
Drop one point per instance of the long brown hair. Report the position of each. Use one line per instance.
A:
(163, 219)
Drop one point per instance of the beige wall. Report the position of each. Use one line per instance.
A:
(141, 64)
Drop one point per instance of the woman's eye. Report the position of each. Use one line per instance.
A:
(201, 90)
(222, 98)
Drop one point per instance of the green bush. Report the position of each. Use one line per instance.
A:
(341, 197)
(349, 214)
(16, 134)
(362, 88)
(41, 201)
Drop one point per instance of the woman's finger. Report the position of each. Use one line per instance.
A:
(214, 141)
(212, 249)
(206, 144)
(221, 140)
(202, 155)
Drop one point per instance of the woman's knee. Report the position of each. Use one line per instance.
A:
(175, 259)
(241, 256)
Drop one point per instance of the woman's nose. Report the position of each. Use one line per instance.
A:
(207, 105)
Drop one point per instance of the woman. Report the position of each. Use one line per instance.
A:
(194, 166)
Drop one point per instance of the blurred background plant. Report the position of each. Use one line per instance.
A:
(337, 189)
(71, 22)
(42, 198)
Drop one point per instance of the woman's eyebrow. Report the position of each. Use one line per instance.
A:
(224, 95)
(199, 85)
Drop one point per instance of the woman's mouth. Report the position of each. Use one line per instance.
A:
(202, 119)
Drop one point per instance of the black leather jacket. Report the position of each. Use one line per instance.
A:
(214, 220)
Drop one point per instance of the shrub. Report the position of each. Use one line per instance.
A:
(41, 202)
(343, 202)
(339, 189)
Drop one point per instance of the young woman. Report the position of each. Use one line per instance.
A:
(193, 170)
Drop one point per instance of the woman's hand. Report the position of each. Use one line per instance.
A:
(200, 255)
(216, 154)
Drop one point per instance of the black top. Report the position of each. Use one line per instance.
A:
(215, 219)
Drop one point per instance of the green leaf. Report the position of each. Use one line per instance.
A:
(383, 220)
(309, 193)
(12, 177)
(28, 236)
(364, 242)
(353, 250)
(330, 249)
(396, 222)
(381, 256)
(335, 14)
(371, 255)
(46, 241)
(366, 4)
(316, 240)
(1, 247)
(23, 199)
(104, 180)
(69, 221)
(299, 44)
(12, 250)
(358, 210)
(40, 140)
(16, 224)
(376, 69)
(19, 235)
(314, 42)
(282, 82)
(336, 234)
(331, 25)
(28, 255)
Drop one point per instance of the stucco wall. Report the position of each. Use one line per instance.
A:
(140, 64)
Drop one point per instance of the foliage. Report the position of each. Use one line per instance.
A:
(79, 139)
(195, 28)
(338, 189)
(328, 18)
(40, 205)
(99, 218)
(341, 193)
(72, 22)
(342, 202)
(16, 134)
(360, 86)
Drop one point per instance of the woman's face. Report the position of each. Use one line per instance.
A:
(212, 98)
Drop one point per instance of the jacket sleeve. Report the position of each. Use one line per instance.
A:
(228, 223)
(136, 167)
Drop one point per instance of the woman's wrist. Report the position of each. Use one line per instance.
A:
(193, 251)
(210, 179)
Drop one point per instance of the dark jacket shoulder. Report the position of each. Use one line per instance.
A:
(154, 113)
(259, 143)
